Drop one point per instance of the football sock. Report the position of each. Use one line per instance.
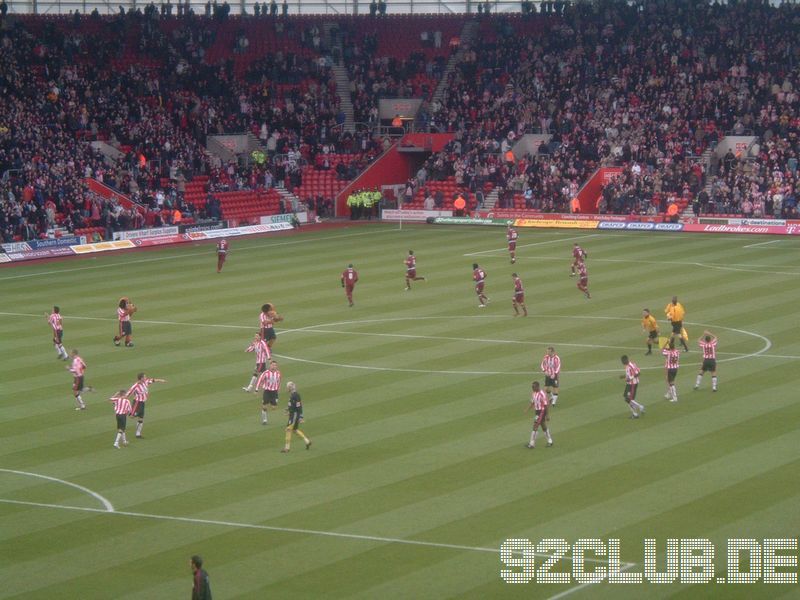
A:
(698, 380)
(252, 382)
(673, 392)
(302, 435)
(139, 426)
(118, 438)
(714, 382)
(547, 433)
(79, 400)
(555, 398)
(635, 406)
(124, 438)
(533, 438)
(288, 439)
(263, 416)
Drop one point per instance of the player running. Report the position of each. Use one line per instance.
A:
(518, 301)
(551, 367)
(708, 344)
(631, 377)
(583, 280)
(349, 280)
(295, 412)
(411, 269)
(511, 237)
(54, 319)
(540, 407)
(579, 255)
(672, 362)
(222, 253)
(263, 354)
(479, 277)
(78, 370)
(650, 327)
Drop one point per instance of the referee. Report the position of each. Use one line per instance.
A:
(675, 313)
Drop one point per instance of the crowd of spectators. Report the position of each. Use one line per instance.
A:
(650, 86)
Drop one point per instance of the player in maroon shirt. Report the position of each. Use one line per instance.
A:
(411, 270)
(349, 280)
(479, 277)
(222, 253)
(518, 301)
(578, 256)
(511, 237)
(583, 281)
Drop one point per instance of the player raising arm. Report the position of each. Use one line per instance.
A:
(263, 354)
(708, 344)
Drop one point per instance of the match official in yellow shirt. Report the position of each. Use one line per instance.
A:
(650, 327)
(675, 313)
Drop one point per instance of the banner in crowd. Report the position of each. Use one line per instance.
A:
(755, 229)
(244, 230)
(637, 226)
(508, 213)
(144, 233)
(302, 216)
(102, 246)
(203, 226)
(413, 215)
(556, 223)
(468, 221)
(40, 253)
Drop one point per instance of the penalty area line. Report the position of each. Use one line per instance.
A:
(275, 528)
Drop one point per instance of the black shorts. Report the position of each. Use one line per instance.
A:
(550, 381)
(260, 368)
(270, 397)
(653, 335)
(294, 421)
(671, 375)
(268, 333)
(126, 328)
(677, 326)
(630, 391)
(77, 383)
(139, 410)
(122, 421)
(58, 336)
(541, 415)
(709, 364)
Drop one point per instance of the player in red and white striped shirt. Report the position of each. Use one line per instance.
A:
(270, 382)
(539, 404)
(672, 362)
(141, 392)
(551, 367)
(266, 322)
(708, 344)
(54, 319)
(631, 378)
(78, 369)
(263, 354)
(125, 309)
(122, 408)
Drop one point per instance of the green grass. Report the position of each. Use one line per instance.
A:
(415, 403)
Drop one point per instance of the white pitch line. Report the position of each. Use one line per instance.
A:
(761, 244)
(565, 593)
(187, 254)
(102, 499)
(568, 239)
(317, 532)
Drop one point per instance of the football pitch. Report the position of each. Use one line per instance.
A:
(415, 404)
